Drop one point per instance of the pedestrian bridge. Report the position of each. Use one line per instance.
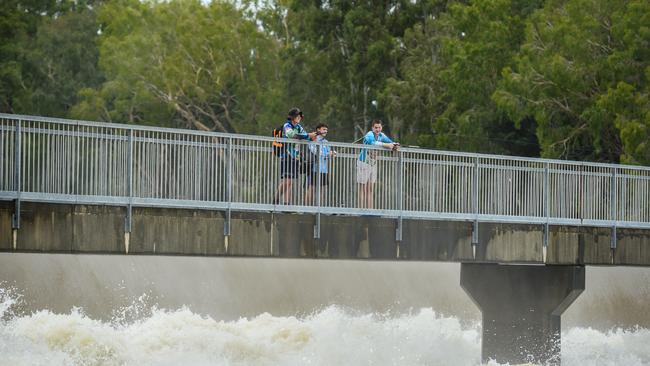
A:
(85, 187)
(546, 211)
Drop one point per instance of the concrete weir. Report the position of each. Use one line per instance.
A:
(521, 307)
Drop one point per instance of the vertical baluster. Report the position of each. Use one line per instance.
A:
(17, 178)
(613, 218)
(228, 188)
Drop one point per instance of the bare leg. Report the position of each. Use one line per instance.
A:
(369, 195)
(283, 194)
(287, 190)
(278, 192)
(308, 195)
(323, 195)
(362, 195)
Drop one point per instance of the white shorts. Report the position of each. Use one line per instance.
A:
(366, 173)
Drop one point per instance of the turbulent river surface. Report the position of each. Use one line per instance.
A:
(141, 310)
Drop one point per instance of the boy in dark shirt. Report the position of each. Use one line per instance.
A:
(289, 158)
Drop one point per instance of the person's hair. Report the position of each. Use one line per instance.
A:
(295, 112)
(322, 125)
(376, 122)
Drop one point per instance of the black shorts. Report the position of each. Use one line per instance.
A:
(289, 168)
(312, 179)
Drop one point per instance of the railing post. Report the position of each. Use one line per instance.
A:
(400, 196)
(475, 191)
(547, 208)
(614, 209)
(15, 222)
(129, 207)
(581, 197)
(318, 188)
(226, 226)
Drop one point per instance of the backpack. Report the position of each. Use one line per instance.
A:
(278, 147)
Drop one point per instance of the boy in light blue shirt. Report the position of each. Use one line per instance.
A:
(367, 163)
(319, 171)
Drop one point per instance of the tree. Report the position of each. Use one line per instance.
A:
(629, 107)
(64, 60)
(47, 53)
(581, 74)
(18, 23)
(451, 67)
(338, 55)
(183, 63)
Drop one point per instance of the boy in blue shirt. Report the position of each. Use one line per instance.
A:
(367, 163)
(319, 169)
(290, 157)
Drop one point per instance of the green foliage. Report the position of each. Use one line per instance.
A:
(18, 22)
(47, 53)
(451, 67)
(64, 61)
(185, 64)
(630, 110)
(338, 56)
(560, 78)
(581, 75)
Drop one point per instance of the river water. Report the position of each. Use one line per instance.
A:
(150, 310)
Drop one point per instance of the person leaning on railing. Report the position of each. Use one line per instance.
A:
(290, 157)
(367, 163)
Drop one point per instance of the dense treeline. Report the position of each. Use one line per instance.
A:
(554, 78)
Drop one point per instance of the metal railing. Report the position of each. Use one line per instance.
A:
(65, 161)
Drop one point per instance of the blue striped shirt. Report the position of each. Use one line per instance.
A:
(324, 153)
(293, 132)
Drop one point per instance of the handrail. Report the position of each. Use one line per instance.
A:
(333, 143)
(71, 161)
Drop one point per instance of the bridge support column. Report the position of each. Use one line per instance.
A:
(521, 307)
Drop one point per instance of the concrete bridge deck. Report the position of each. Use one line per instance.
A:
(66, 228)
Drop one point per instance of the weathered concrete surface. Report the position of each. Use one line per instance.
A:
(295, 234)
(171, 231)
(65, 228)
(436, 240)
(252, 234)
(46, 228)
(518, 243)
(521, 306)
(579, 245)
(100, 229)
(6, 210)
(586, 245)
(633, 247)
(95, 228)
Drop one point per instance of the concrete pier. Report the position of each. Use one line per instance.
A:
(521, 307)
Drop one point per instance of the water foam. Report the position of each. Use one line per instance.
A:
(586, 346)
(331, 336)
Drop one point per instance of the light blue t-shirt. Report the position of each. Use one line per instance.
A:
(324, 153)
(370, 139)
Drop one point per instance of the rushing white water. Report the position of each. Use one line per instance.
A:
(140, 335)
(148, 310)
